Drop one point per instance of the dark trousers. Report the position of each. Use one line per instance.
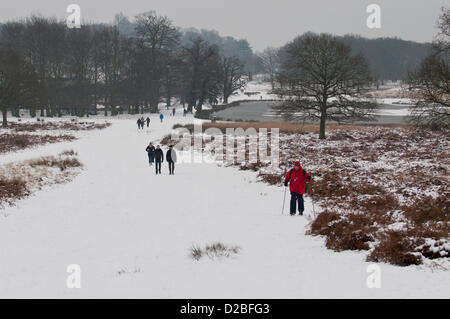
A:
(294, 198)
(171, 167)
(151, 158)
(158, 167)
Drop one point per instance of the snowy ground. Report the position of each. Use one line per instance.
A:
(130, 232)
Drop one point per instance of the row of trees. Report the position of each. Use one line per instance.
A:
(389, 59)
(49, 68)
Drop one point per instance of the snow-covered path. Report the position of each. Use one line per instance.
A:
(130, 231)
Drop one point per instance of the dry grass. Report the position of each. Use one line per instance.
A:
(62, 163)
(215, 250)
(12, 189)
(18, 135)
(126, 271)
(10, 142)
(353, 232)
(51, 126)
(167, 140)
(386, 188)
(397, 248)
(21, 179)
(284, 127)
(69, 153)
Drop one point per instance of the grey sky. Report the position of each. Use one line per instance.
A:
(262, 22)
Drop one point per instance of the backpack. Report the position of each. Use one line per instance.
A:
(304, 173)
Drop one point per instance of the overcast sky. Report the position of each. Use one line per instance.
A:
(262, 22)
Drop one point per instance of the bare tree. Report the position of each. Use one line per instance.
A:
(325, 82)
(202, 72)
(233, 73)
(270, 61)
(17, 82)
(158, 34)
(80, 43)
(442, 40)
(109, 57)
(431, 81)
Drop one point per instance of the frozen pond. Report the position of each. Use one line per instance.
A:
(262, 111)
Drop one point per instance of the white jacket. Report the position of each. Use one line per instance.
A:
(173, 154)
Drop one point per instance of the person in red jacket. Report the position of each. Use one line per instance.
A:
(297, 178)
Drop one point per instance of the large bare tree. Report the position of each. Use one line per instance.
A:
(431, 81)
(325, 82)
(17, 82)
(158, 34)
(233, 73)
(202, 72)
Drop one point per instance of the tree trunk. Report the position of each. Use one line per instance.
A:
(5, 117)
(200, 104)
(322, 125)
(106, 106)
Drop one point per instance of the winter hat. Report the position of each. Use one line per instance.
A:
(297, 163)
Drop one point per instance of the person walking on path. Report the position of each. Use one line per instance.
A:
(151, 153)
(139, 124)
(173, 112)
(148, 121)
(298, 178)
(161, 117)
(159, 158)
(171, 158)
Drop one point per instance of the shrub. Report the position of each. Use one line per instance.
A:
(51, 161)
(427, 209)
(68, 153)
(349, 232)
(395, 248)
(10, 189)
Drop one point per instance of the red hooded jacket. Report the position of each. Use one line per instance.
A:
(298, 179)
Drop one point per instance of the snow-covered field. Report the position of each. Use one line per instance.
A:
(255, 90)
(131, 232)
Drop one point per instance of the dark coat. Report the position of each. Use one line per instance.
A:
(159, 155)
(151, 152)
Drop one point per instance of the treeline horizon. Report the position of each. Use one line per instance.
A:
(132, 66)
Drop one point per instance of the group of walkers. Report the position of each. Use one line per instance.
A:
(141, 122)
(156, 155)
(297, 178)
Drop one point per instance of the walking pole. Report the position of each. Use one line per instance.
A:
(312, 201)
(284, 200)
(284, 197)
